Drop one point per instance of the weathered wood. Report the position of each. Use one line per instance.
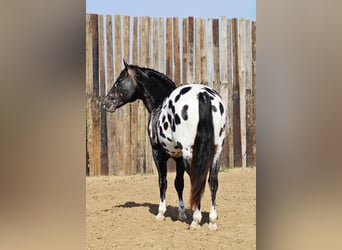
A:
(103, 115)
(236, 97)
(119, 113)
(169, 61)
(150, 167)
(176, 51)
(254, 92)
(242, 78)
(127, 109)
(210, 54)
(161, 47)
(230, 97)
(184, 50)
(141, 119)
(224, 83)
(95, 95)
(110, 81)
(197, 50)
(155, 36)
(203, 54)
(216, 54)
(249, 101)
(89, 90)
(134, 110)
(190, 50)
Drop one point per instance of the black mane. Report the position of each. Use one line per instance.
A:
(156, 86)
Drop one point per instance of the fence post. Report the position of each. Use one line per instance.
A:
(103, 122)
(236, 97)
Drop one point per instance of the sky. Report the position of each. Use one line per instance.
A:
(175, 8)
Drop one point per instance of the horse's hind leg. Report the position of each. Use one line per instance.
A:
(160, 161)
(213, 184)
(179, 185)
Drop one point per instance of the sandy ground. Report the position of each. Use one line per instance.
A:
(120, 213)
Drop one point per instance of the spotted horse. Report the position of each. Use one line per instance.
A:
(186, 123)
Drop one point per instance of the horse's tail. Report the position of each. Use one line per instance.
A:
(203, 150)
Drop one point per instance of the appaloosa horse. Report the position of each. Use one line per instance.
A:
(186, 123)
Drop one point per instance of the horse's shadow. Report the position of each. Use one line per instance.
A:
(171, 212)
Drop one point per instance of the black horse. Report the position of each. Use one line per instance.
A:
(186, 123)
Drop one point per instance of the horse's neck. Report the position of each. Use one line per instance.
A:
(155, 92)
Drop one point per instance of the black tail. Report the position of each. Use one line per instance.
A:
(203, 150)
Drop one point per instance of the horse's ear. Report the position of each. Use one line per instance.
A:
(126, 64)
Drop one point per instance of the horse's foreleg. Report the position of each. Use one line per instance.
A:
(213, 183)
(179, 185)
(161, 166)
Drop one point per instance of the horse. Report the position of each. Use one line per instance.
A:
(185, 123)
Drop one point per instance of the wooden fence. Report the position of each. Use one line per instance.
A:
(217, 52)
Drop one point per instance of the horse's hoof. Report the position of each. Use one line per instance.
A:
(194, 225)
(160, 217)
(212, 226)
(182, 216)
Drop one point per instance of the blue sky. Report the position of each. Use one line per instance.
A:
(171, 8)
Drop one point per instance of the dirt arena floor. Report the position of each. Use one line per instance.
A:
(120, 213)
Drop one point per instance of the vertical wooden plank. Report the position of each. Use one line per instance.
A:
(169, 61)
(190, 50)
(155, 58)
(184, 51)
(242, 76)
(254, 92)
(95, 95)
(176, 51)
(216, 54)
(89, 90)
(127, 108)
(249, 101)
(119, 113)
(110, 81)
(141, 119)
(161, 47)
(203, 53)
(135, 41)
(230, 96)
(150, 167)
(197, 50)
(224, 84)
(104, 149)
(134, 110)
(236, 97)
(210, 54)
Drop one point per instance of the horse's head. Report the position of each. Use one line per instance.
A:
(124, 90)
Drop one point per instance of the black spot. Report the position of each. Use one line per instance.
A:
(161, 132)
(184, 90)
(171, 107)
(177, 97)
(179, 145)
(221, 108)
(221, 131)
(211, 91)
(169, 139)
(213, 108)
(169, 118)
(164, 144)
(173, 126)
(177, 119)
(176, 147)
(164, 117)
(166, 125)
(185, 112)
